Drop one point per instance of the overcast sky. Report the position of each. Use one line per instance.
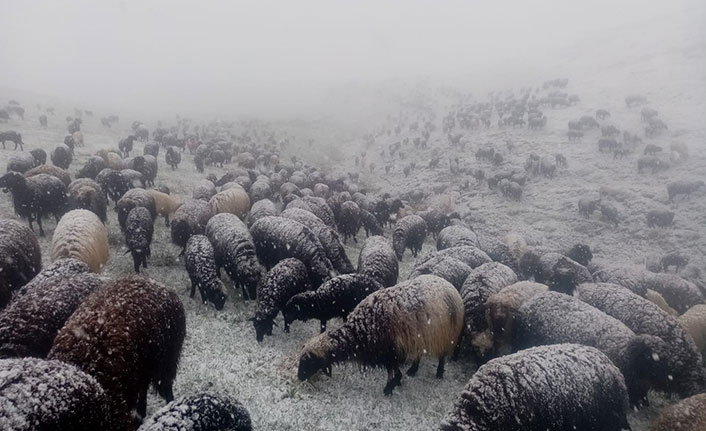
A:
(241, 56)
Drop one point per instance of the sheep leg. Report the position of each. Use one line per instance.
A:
(166, 220)
(39, 222)
(457, 349)
(394, 378)
(193, 290)
(413, 369)
(323, 325)
(142, 403)
(440, 368)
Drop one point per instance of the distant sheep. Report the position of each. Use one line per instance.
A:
(133, 198)
(349, 220)
(683, 188)
(286, 279)
(59, 173)
(36, 197)
(200, 412)
(200, 262)
(321, 209)
(409, 232)
(81, 235)
(22, 258)
(557, 387)
(679, 293)
(416, 317)
(139, 228)
(62, 156)
(21, 163)
(190, 219)
(13, 137)
(127, 335)
(172, 157)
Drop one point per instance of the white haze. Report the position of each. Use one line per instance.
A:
(283, 58)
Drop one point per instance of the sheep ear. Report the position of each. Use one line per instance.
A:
(327, 370)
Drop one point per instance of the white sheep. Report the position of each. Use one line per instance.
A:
(233, 201)
(81, 235)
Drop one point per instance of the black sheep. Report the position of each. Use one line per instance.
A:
(135, 198)
(349, 220)
(125, 145)
(21, 162)
(189, 219)
(410, 232)
(172, 157)
(200, 412)
(454, 236)
(40, 156)
(36, 197)
(93, 165)
(151, 148)
(127, 335)
(13, 137)
(200, 262)
(139, 228)
(62, 156)
(435, 220)
(260, 209)
(286, 279)
(449, 268)
(22, 258)
(377, 259)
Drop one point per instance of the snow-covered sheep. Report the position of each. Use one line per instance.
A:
(31, 320)
(409, 232)
(165, 204)
(172, 157)
(204, 190)
(686, 415)
(139, 228)
(454, 236)
(234, 200)
(694, 322)
(200, 412)
(235, 252)
(40, 156)
(449, 268)
(127, 335)
(112, 159)
(49, 395)
(416, 317)
(67, 267)
(679, 293)
(54, 171)
(627, 277)
(21, 258)
(553, 317)
(21, 163)
(435, 220)
(558, 387)
(557, 271)
(62, 156)
(581, 253)
(327, 236)
(200, 262)
(286, 279)
(470, 255)
(189, 219)
(137, 197)
(377, 259)
(516, 243)
(335, 298)
(84, 193)
(260, 209)
(278, 238)
(81, 235)
(349, 220)
(659, 301)
(260, 189)
(36, 197)
(682, 362)
(370, 223)
(320, 209)
(481, 283)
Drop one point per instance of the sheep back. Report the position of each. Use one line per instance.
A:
(446, 267)
(409, 232)
(233, 201)
(200, 262)
(54, 171)
(260, 209)
(454, 236)
(686, 415)
(202, 411)
(480, 284)
(189, 219)
(377, 260)
(81, 235)
(22, 258)
(136, 197)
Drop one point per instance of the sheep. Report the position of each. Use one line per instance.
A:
(409, 232)
(328, 237)
(277, 238)
(370, 223)
(40, 156)
(557, 387)
(286, 279)
(84, 193)
(112, 159)
(21, 163)
(204, 190)
(200, 262)
(377, 260)
(126, 335)
(420, 316)
(189, 219)
(151, 148)
(139, 228)
(30, 322)
(67, 267)
(349, 220)
(553, 317)
(659, 301)
(234, 201)
(235, 251)
(22, 258)
(686, 415)
(623, 276)
(498, 251)
(62, 156)
(660, 218)
(559, 272)
(172, 157)
(694, 323)
(260, 209)
(454, 236)
(49, 395)
(117, 183)
(683, 188)
(260, 190)
(652, 162)
(679, 293)
(13, 137)
(125, 145)
(320, 208)
(78, 138)
(36, 197)
(335, 298)
(683, 362)
(435, 220)
(200, 412)
(81, 235)
(470, 255)
(59, 173)
(449, 268)
(609, 213)
(587, 205)
(134, 198)
(146, 165)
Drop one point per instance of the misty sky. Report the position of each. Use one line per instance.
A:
(243, 56)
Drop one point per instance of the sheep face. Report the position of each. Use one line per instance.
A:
(218, 296)
(262, 328)
(11, 180)
(315, 357)
(293, 310)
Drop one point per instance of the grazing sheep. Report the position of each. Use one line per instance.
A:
(200, 262)
(112, 159)
(39, 395)
(686, 415)
(135, 198)
(470, 255)
(189, 219)
(84, 193)
(659, 301)
(377, 260)
(581, 254)
(62, 156)
(558, 387)
(21, 162)
(59, 173)
(286, 279)
(93, 165)
(416, 317)
(204, 190)
(370, 223)
(235, 251)
(127, 335)
(349, 220)
(81, 235)
(22, 258)
(278, 238)
(335, 298)
(454, 236)
(165, 204)
(675, 259)
(77, 136)
(552, 317)
(681, 362)
(660, 218)
(498, 251)
(32, 319)
(449, 268)
(587, 205)
(260, 209)
(556, 270)
(139, 228)
(653, 163)
(233, 201)
(609, 213)
(683, 188)
(320, 208)
(151, 148)
(40, 156)
(36, 197)
(679, 293)
(200, 412)
(13, 137)
(260, 190)
(694, 323)
(172, 157)
(435, 220)
(409, 232)
(116, 183)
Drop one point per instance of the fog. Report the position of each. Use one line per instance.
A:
(266, 57)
